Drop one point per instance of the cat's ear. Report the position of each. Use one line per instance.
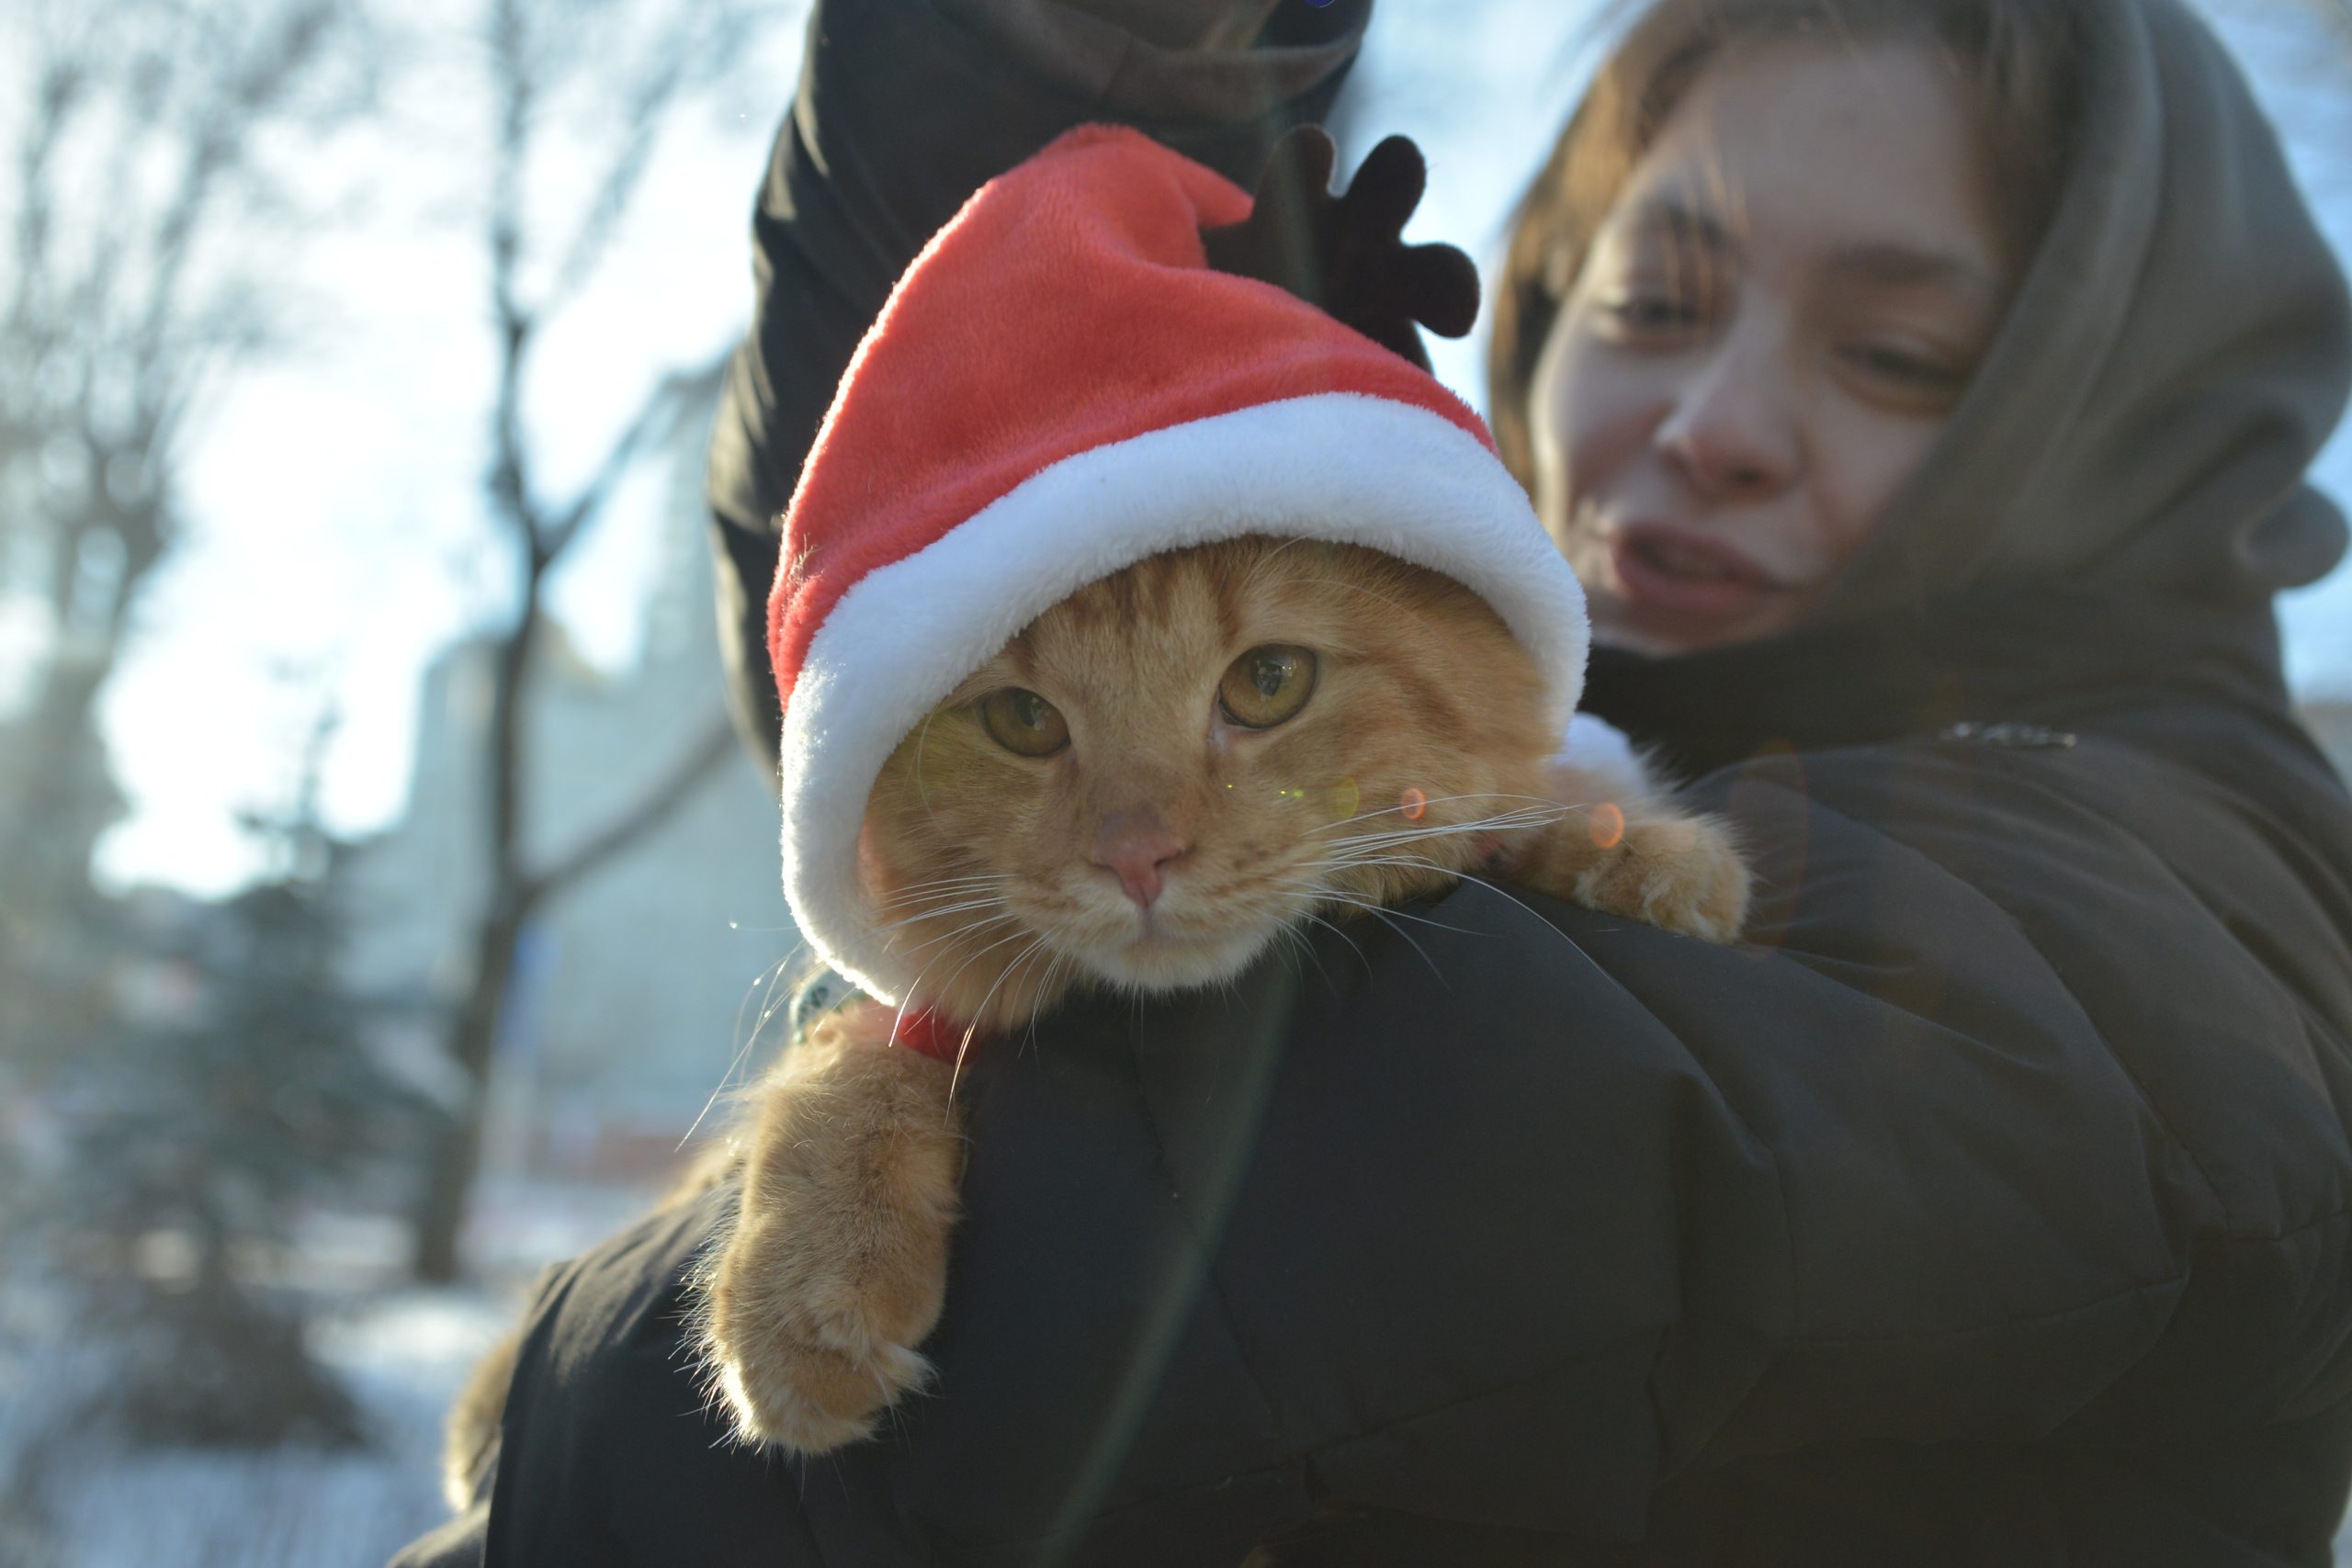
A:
(1346, 253)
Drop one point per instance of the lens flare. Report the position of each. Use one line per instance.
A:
(1343, 799)
(1607, 825)
(1413, 803)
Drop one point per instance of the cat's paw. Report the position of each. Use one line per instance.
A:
(836, 1269)
(1682, 872)
(808, 1362)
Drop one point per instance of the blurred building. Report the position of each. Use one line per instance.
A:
(638, 984)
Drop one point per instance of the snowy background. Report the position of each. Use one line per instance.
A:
(336, 527)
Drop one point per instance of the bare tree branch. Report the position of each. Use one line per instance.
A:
(700, 761)
(642, 113)
(535, 49)
(134, 169)
(677, 398)
(707, 41)
(59, 98)
(516, 84)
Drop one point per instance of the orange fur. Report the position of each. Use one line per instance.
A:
(982, 861)
(1419, 686)
(837, 1265)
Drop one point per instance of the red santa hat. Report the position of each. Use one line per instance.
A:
(1059, 386)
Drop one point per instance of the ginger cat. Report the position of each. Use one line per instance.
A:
(1145, 789)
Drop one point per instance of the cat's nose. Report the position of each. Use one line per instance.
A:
(1136, 845)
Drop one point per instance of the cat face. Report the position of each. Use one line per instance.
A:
(1170, 767)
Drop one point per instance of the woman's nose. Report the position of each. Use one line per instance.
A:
(1732, 433)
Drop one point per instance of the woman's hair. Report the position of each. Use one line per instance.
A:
(2016, 58)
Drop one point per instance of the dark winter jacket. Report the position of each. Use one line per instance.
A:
(1988, 1204)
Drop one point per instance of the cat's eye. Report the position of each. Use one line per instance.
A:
(1023, 723)
(1267, 685)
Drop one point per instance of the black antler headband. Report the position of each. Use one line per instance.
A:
(1345, 254)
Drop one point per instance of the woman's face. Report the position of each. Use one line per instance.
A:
(1767, 335)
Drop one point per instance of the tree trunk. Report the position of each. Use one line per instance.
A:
(60, 795)
(456, 1152)
(540, 531)
(473, 1036)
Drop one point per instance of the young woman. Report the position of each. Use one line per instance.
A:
(1924, 389)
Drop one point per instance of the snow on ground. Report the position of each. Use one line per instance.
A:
(404, 1356)
(402, 1350)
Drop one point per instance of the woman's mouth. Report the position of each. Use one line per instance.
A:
(1675, 573)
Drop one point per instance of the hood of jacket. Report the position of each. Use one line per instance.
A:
(2177, 350)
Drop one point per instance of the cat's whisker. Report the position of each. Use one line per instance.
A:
(1399, 862)
(948, 881)
(1574, 946)
(1504, 822)
(1536, 813)
(1289, 932)
(942, 913)
(1386, 917)
(1502, 892)
(968, 962)
(1332, 926)
(770, 1004)
(1355, 901)
(967, 929)
(1499, 891)
(1535, 800)
(1045, 989)
(935, 896)
(1389, 917)
(765, 982)
(913, 897)
(947, 887)
(964, 1047)
(961, 930)
(1029, 955)
(914, 987)
(897, 930)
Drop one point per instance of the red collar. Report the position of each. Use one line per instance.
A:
(920, 1029)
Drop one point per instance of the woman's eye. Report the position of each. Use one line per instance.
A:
(1650, 314)
(1023, 723)
(1932, 381)
(1897, 365)
(1267, 685)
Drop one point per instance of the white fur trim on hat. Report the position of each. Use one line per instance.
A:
(1341, 467)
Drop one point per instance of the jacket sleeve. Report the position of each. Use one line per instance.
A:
(905, 108)
(608, 1453)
